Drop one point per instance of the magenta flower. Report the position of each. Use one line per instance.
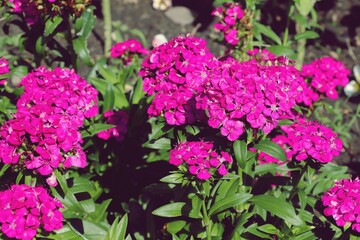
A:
(25, 209)
(312, 140)
(175, 72)
(44, 134)
(341, 202)
(200, 158)
(127, 50)
(120, 120)
(249, 93)
(325, 74)
(230, 23)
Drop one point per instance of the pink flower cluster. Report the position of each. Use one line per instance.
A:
(33, 9)
(4, 69)
(200, 159)
(230, 17)
(120, 120)
(325, 74)
(305, 140)
(127, 50)
(249, 94)
(342, 202)
(25, 209)
(308, 96)
(187, 81)
(175, 72)
(44, 135)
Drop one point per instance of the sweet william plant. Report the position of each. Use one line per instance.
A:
(209, 147)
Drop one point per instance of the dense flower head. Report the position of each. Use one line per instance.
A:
(325, 74)
(4, 69)
(33, 9)
(41, 140)
(200, 159)
(175, 72)
(230, 21)
(25, 209)
(120, 120)
(62, 89)
(249, 94)
(44, 133)
(189, 82)
(127, 50)
(312, 140)
(342, 203)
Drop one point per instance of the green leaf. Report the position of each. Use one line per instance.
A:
(175, 178)
(84, 24)
(118, 228)
(280, 50)
(240, 224)
(108, 75)
(229, 202)
(109, 98)
(51, 24)
(240, 151)
(138, 92)
(80, 47)
(170, 210)
(268, 228)
(120, 99)
(305, 6)
(306, 35)
(162, 143)
(88, 230)
(253, 229)
(100, 213)
(65, 233)
(4, 168)
(278, 207)
(267, 32)
(175, 226)
(39, 46)
(271, 148)
(100, 84)
(96, 128)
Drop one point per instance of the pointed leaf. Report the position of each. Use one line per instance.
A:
(271, 148)
(267, 32)
(306, 35)
(278, 207)
(170, 210)
(229, 202)
(240, 151)
(51, 24)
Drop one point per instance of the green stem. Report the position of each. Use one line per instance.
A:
(300, 47)
(107, 27)
(3, 169)
(206, 220)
